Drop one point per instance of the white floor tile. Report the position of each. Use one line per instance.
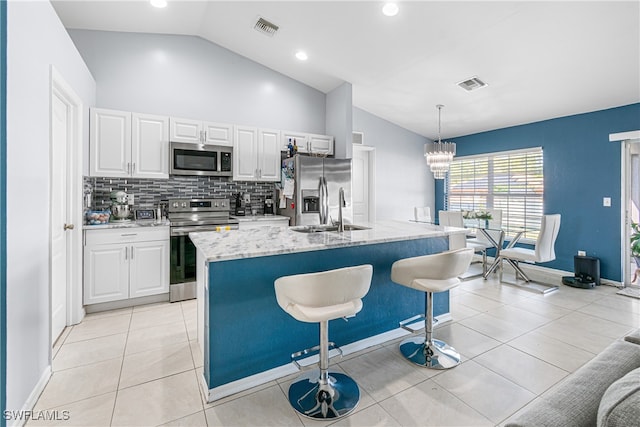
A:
(563, 355)
(158, 402)
(498, 398)
(160, 362)
(154, 337)
(162, 315)
(466, 341)
(99, 328)
(72, 385)
(429, 404)
(90, 351)
(94, 411)
(194, 420)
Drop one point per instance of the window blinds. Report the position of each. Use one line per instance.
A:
(510, 180)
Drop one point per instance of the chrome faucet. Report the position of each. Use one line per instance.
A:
(341, 203)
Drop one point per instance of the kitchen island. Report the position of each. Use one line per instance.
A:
(247, 339)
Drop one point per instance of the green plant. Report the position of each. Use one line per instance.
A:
(635, 240)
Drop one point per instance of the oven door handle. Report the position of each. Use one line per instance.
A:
(183, 231)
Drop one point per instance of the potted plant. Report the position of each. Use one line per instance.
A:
(635, 247)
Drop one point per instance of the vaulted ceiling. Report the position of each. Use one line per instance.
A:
(540, 59)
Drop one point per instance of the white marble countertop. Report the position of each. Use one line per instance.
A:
(265, 241)
(260, 218)
(130, 224)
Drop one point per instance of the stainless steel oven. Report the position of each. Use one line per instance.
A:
(186, 216)
(200, 159)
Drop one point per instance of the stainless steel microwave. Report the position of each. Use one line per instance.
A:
(200, 159)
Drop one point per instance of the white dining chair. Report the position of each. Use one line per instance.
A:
(544, 251)
(455, 219)
(422, 214)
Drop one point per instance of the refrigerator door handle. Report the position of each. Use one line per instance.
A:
(324, 200)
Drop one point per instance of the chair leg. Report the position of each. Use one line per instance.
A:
(428, 352)
(518, 270)
(325, 394)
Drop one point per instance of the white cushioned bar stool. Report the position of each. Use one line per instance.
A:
(431, 274)
(318, 298)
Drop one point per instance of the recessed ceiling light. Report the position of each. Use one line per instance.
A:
(390, 9)
(158, 3)
(302, 55)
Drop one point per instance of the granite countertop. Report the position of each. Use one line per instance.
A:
(130, 224)
(259, 218)
(265, 241)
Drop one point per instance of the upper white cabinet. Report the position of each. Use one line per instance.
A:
(308, 143)
(124, 144)
(256, 154)
(199, 132)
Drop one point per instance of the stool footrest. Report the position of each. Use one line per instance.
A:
(405, 323)
(315, 349)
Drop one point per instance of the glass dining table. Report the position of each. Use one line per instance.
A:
(493, 236)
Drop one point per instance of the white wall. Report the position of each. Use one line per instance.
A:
(403, 179)
(36, 39)
(186, 76)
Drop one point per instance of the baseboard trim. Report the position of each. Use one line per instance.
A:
(243, 384)
(33, 398)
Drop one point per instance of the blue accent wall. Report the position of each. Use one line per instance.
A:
(3, 209)
(247, 332)
(581, 167)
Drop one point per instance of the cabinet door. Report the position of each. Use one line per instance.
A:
(218, 134)
(185, 130)
(110, 143)
(300, 138)
(245, 153)
(150, 146)
(149, 269)
(268, 155)
(321, 144)
(106, 273)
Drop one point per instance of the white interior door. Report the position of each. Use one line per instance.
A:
(59, 216)
(632, 204)
(363, 183)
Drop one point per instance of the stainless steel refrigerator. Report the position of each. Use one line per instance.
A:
(316, 184)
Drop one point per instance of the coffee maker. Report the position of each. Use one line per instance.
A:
(241, 205)
(269, 207)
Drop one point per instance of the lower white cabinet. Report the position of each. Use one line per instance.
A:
(125, 263)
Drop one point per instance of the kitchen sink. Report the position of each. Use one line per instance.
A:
(323, 228)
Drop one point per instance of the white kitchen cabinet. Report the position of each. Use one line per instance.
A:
(110, 143)
(321, 144)
(308, 143)
(256, 154)
(199, 132)
(125, 144)
(125, 263)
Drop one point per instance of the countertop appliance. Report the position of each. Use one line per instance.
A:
(268, 207)
(200, 159)
(241, 205)
(185, 216)
(317, 181)
(120, 206)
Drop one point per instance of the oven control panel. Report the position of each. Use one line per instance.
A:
(198, 205)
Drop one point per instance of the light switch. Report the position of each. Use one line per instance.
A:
(606, 201)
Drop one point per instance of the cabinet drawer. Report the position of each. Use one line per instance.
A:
(126, 235)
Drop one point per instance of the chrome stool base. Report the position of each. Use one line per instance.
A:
(438, 356)
(334, 400)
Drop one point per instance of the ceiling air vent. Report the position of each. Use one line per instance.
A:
(358, 138)
(265, 27)
(472, 84)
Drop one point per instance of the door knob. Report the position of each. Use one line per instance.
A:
(68, 226)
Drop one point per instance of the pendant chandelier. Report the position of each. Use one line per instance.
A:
(439, 154)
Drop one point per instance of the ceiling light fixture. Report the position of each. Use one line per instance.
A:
(439, 154)
(390, 9)
(158, 3)
(301, 55)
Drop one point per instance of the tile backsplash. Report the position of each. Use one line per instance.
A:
(149, 192)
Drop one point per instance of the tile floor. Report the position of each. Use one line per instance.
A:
(140, 366)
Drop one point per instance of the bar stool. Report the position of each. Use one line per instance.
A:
(430, 273)
(318, 298)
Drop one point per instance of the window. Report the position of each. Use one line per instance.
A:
(510, 180)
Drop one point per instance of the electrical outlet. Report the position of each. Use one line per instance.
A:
(606, 201)
(582, 253)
